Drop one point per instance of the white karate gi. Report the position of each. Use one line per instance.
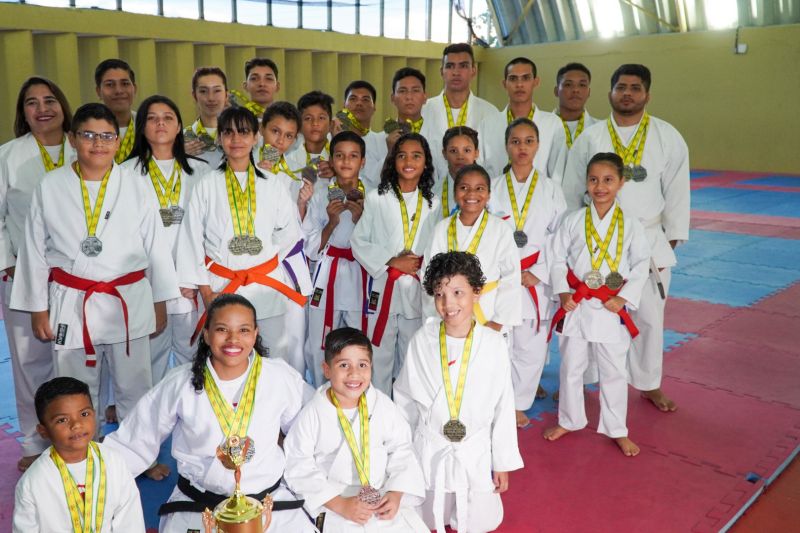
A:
(208, 227)
(182, 313)
(349, 298)
(661, 203)
(438, 190)
(593, 328)
(40, 503)
(377, 238)
(479, 112)
(21, 171)
(173, 407)
(320, 466)
(561, 162)
(127, 227)
(376, 152)
(298, 157)
(458, 475)
(529, 350)
(499, 260)
(212, 157)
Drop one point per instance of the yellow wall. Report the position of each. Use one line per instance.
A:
(736, 112)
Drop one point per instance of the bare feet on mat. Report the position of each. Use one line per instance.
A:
(157, 472)
(522, 419)
(25, 462)
(554, 433)
(628, 447)
(660, 400)
(555, 396)
(541, 393)
(111, 414)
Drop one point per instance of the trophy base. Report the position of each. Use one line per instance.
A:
(239, 514)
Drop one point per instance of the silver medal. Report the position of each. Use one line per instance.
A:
(593, 279)
(638, 173)
(166, 216)
(369, 495)
(335, 193)
(237, 245)
(253, 245)
(91, 246)
(176, 214)
(521, 238)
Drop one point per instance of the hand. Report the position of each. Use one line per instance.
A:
(391, 139)
(306, 191)
(40, 324)
(194, 147)
(389, 505)
(10, 272)
(186, 292)
(357, 208)
(325, 170)
(567, 302)
(615, 303)
(160, 309)
(207, 294)
(336, 127)
(500, 482)
(407, 263)
(494, 325)
(334, 209)
(529, 280)
(351, 508)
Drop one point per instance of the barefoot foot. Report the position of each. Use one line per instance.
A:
(25, 462)
(157, 472)
(522, 419)
(628, 447)
(660, 400)
(541, 393)
(111, 414)
(554, 433)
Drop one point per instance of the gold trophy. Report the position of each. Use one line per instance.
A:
(239, 513)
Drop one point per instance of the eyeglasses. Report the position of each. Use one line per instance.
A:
(91, 136)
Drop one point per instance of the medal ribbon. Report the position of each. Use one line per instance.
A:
(243, 101)
(445, 200)
(47, 161)
(592, 235)
(454, 401)
(234, 422)
(326, 149)
(80, 508)
(416, 125)
(168, 192)
(578, 130)
(462, 114)
(452, 238)
(408, 236)
(92, 216)
(510, 117)
(632, 154)
(201, 130)
(281, 165)
(242, 202)
(519, 218)
(360, 457)
(126, 145)
(361, 130)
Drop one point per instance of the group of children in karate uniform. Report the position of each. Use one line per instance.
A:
(421, 308)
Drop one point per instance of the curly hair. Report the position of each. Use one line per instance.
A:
(445, 265)
(204, 350)
(389, 172)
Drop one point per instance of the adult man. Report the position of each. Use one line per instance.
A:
(115, 85)
(260, 83)
(359, 104)
(657, 170)
(408, 97)
(456, 105)
(573, 89)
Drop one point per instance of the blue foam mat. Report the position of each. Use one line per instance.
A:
(774, 203)
(775, 181)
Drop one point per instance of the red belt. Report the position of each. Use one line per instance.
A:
(90, 287)
(256, 274)
(383, 314)
(346, 254)
(524, 265)
(582, 292)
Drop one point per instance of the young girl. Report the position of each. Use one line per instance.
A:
(42, 121)
(473, 229)
(460, 149)
(532, 205)
(210, 93)
(388, 241)
(239, 226)
(455, 390)
(159, 159)
(603, 255)
(231, 388)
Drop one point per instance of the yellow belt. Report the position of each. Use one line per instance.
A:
(476, 309)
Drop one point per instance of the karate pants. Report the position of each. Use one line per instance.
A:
(31, 365)
(528, 357)
(485, 512)
(315, 355)
(388, 358)
(174, 339)
(611, 358)
(646, 356)
(130, 374)
(294, 325)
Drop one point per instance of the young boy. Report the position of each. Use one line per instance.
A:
(210, 93)
(408, 97)
(316, 110)
(455, 390)
(93, 263)
(75, 479)
(604, 256)
(261, 85)
(340, 282)
(362, 483)
(115, 85)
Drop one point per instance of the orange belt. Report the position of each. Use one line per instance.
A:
(524, 265)
(383, 314)
(90, 287)
(346, 254)
(582, 292)
(256, 274)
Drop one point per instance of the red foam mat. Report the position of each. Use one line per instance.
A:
(693, 316)
(9, 455)
(755, 327)
(786, 302)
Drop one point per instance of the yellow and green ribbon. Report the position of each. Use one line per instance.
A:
(242, 203)
(631, 154)
(360, 456)
(452, 238)
(519, 218)
(454, 400)
(126, 145)
(234, 422)
(462, 114)
(603, 245)
(47, 161)
(80, 508)
(92, 215)
(168, 192)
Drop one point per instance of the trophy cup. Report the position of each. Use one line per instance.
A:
(239, 513)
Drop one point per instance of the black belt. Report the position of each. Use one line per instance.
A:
(202, 500)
